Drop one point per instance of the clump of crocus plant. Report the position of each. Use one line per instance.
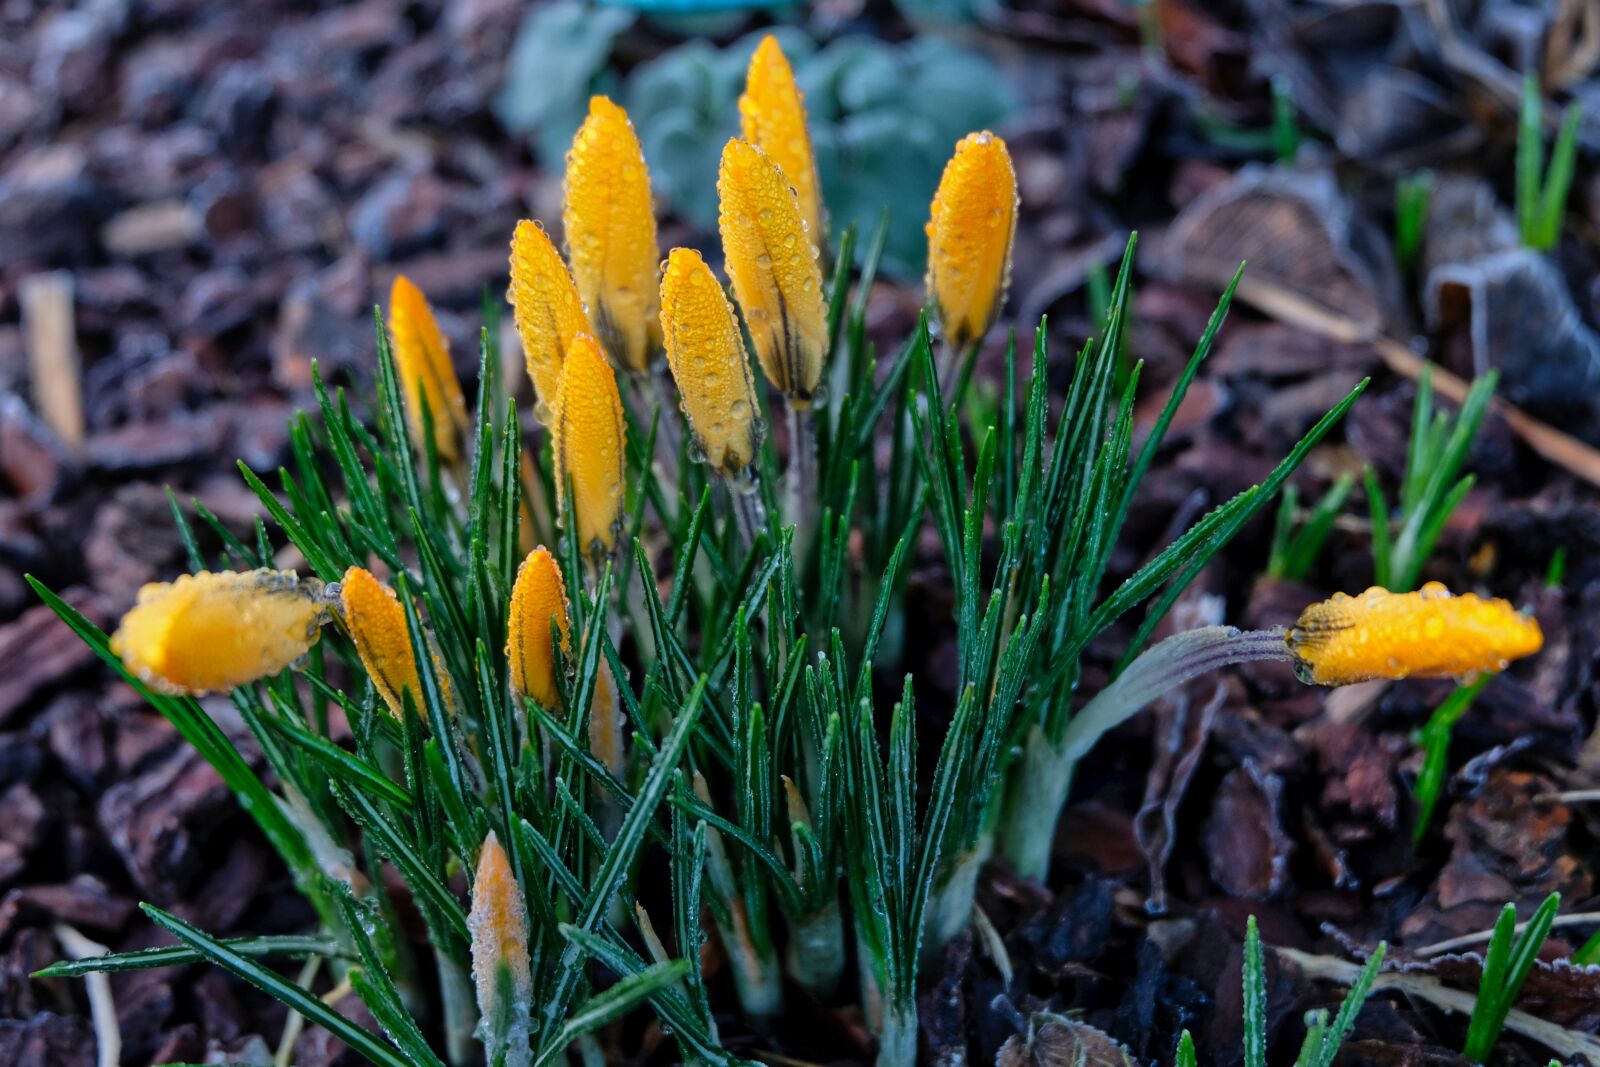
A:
(663, 680)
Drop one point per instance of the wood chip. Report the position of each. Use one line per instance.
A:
(52, 342)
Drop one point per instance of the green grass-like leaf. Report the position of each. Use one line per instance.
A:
(279, 988)
(291, 947)
(1506, 965)
(1255, 998)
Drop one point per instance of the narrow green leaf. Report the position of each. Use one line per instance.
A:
(1335, 1034)
(363, 1042)
(292, 947)
(1255, 998)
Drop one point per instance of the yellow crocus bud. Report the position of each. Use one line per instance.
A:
(1426, 634)
(538, 597)
(772, 114)
(970, 231)
(501, 975)
(590, 438)
(547, 309)
(212, 632)
(611, 234)
(774, 270)
(422, 361)
(377, 624)
(708, 361)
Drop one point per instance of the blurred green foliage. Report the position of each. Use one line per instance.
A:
(884, 117)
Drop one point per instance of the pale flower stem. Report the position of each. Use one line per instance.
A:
(1044, 772)
(745, 503)
(460, 1011)
(801, 489)
(955, 370)
(296, 1022)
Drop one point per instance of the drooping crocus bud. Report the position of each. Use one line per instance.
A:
(774, 270)
(547, 309)
(611, 234)
(538, 598)
(377, 624)
(970, 231)
(212, 632)
(501, 975)
(590, 439)
(772, 115)
(1426, 634)
(422, 362)
(708, 361)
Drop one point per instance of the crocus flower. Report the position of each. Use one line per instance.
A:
(538, 615)
(589, 444)
(774, 270)
(546, 307)
(377, 624)
(970, 231)
(422, 361)
(500, 972)
(1427, 634)
(772, 115)
(611, 234)
(211, 632)
(706, 353)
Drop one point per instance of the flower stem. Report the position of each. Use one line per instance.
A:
(748, 512)
(801, 488)
(1040, 786)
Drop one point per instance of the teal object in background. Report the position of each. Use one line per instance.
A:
(696, 7)
(557, 60)
(884, 117)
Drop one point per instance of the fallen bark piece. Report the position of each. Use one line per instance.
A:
(57, 378)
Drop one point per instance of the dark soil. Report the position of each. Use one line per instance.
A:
(231, 187)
